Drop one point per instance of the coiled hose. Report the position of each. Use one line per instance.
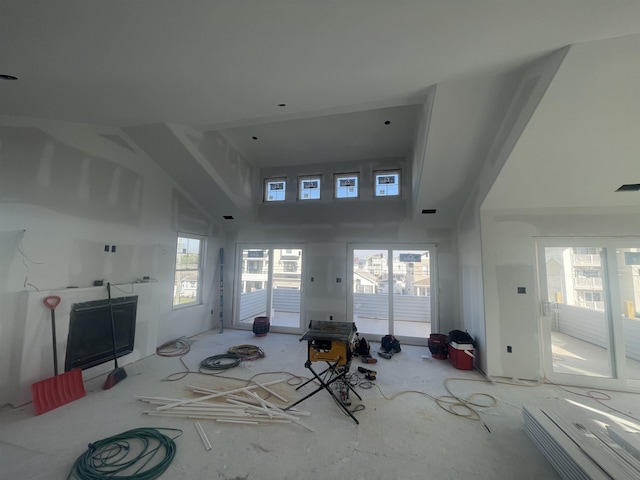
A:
(138, 454)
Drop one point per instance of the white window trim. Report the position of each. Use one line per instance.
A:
(339, 176)
(306, 178)
(377, 173)
(203, 243)
(265, 188)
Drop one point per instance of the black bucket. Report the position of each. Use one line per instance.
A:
(261, 326)
(438, 346)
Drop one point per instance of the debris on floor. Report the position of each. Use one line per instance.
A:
(241, 406)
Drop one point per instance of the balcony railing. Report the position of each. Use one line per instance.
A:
(586, 260)
(589, 324)
(590, 283)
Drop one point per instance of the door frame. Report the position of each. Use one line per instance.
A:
(613, 312)
(433, 269)
(240, 247)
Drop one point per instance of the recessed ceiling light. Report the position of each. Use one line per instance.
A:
(428, 211)
(629, 187)
(388, 122)
(228, 217)
(7, 77)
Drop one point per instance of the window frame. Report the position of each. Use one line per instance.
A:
(380, 173)
(309, 178)
(267, 182)
(341, 176)
(197, 299)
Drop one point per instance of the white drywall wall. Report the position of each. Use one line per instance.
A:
(470, 228)
(326, 250)
(66, 191)
(509, 238)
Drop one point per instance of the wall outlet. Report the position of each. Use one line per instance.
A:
(522, 289)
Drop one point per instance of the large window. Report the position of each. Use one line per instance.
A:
(187, 287)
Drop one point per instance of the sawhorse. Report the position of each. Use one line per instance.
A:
(337, 372)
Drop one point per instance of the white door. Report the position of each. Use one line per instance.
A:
(270, 285)
(589, 292)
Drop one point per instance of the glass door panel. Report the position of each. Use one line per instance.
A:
(286, 282)
(628, 266)
(578, 340)
(411, 280)
(254, 284)
(370, 291)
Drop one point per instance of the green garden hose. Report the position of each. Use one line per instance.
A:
(220, 362)
(138, 454)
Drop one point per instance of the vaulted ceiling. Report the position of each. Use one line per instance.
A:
(312, 81)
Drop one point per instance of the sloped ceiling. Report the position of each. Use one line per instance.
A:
(582, 143)
(311, 80)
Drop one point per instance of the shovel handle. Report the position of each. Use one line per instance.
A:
(51, 302)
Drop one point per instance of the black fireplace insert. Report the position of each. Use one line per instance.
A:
(90, 341)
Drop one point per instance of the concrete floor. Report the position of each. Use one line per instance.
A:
(404, 436)
(577, 357)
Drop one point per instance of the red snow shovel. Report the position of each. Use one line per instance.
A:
(59, 390)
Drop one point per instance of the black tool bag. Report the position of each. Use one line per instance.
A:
(389, 343)
(458, 336)
(362, 347)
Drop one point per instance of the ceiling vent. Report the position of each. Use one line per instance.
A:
(428, 211)
(228, 217)
(629, 187)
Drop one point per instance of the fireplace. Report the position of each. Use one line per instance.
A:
(90, 340)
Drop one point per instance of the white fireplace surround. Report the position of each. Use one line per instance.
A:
(33, 340)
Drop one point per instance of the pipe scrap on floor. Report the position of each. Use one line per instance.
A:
(240, 406)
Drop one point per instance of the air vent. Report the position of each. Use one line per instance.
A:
(429, 211)
(228, 217)
(629, 187)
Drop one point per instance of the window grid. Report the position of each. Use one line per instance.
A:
(346, 186)
(187, 288)
(309, 187)
(275, 189)
(386, 183)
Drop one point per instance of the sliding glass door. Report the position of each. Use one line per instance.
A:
(391, 291)
(590, 292)
(269, 284)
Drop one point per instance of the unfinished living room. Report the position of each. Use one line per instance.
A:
(266, 240)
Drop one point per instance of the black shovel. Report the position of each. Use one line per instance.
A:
(118, 373)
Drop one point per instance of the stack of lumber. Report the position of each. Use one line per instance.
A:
(240, 406)
(582, 449)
